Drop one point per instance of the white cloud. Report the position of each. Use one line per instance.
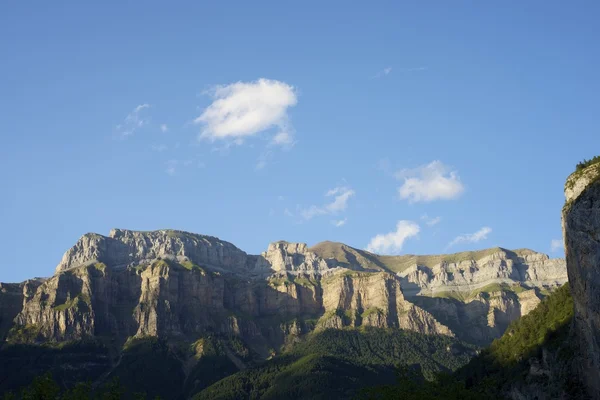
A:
(431, 221)
(339, 223)
(288, 213)
(244, 109)
(164, 128)
(433, 181)
(480, 235)
(392, 242)
(340, 195)
(159, 147)
(133, 121)
(556, 245)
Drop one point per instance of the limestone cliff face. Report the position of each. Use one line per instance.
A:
(581, 225)
(181, 285)
(373, 299)
(482, 317)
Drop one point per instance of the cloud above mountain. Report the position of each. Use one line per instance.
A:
(339, 201)
(244, 109)
(434, 181)
(392, 242)
(475, 237)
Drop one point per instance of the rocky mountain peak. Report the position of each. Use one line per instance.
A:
(294, 257)
(126, 248)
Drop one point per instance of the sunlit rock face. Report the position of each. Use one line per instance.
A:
(177, 284)
(581, 226)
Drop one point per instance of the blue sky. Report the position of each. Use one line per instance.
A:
(402, 127)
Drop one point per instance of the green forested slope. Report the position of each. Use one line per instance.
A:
(339, 363)
(533, 357)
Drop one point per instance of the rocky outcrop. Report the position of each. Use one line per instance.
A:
(581, 225)
(497, 266)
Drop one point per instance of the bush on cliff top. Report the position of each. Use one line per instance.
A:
(586, 163)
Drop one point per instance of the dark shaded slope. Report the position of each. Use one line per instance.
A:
(339, 363)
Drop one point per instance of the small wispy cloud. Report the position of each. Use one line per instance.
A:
(431, 221)
(340, 194)
(412, 69)
(475, 237)
(556, 245)
(159, 147)
(392, 242)
(384, 72)
(430, 182)
(172, 166)
(283, 139)
(133, 121)
(340, 222)
(388, 70)
(164, 128)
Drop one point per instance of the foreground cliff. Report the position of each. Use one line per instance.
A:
(581, 225)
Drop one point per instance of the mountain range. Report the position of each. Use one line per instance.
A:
(117, 293)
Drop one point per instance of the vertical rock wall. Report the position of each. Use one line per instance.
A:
(581, 225)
